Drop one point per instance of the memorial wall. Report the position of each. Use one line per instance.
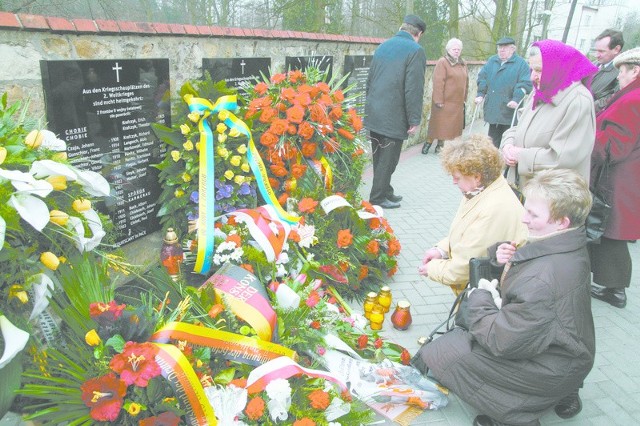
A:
(100, 85)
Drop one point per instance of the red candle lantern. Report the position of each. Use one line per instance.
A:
(171, 254)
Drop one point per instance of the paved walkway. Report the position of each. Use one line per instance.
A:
(611, 394)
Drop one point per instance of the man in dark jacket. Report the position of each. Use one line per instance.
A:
(605, 83)
(394, 102)
(502, 83)
(514, 362)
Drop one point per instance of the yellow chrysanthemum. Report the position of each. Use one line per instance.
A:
(92, 338)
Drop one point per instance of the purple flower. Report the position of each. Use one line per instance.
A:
(245, 189)
(195, 197)
(223, 190)
(192, 216)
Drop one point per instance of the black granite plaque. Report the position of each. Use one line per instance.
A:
(358, 69)
(103, 109)
(237, 72)
(323, 63)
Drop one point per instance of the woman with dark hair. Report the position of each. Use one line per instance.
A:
(618, 132)
(557, 126)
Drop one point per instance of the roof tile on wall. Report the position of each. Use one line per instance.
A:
(9, 20)
(85, 25)
(60, 24)
(107, 26)
(33, 22)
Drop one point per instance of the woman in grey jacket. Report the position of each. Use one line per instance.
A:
(513, 362)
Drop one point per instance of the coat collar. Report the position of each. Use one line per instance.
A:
(492, 188)
(565, 242)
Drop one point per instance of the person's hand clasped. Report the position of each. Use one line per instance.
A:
(505, 251)
(440, 105)
(412, 130)
(511, 153)
(512, 104)
(432, 253)
(479, 99)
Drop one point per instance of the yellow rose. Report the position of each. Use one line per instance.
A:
(222, 137)
(175, 155)
(92, 338)
(19, 293)
(50, 260)
(234, 133)
(3, 154)
(186, 177)
(188, 146)
(223, 115)
(238, 179)
(81, 205)
(228, 174)
(221, 127)
(245, 168)
(194, 116)
(58, 182)
(222, 152)
(235, 160)
(34, 139)
(185, 129)
(197, 146)
(178, 193)
(58, 217)
(242, 149)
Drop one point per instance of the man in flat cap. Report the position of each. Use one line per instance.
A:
(502, 83)
(394, 102)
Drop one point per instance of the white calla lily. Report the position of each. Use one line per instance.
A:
(95, 224)
(45, 168)
(15, 340)
(51, 141)
(42, 286)
(3, 230)
(94, 183)
(25, 182)
(32, 209)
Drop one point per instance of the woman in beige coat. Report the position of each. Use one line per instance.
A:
(489, 211)
(557, 125)
(450, 86)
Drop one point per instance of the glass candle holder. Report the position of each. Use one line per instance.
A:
(401, 317)
(369, 303)
(171, 254)
(377, 317)
(384, 298)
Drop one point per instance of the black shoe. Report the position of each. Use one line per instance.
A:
(613, 296)
(484, 420)
(395, 198)
(438, 147)
(568, 406)
(388, 204)
(426, 147)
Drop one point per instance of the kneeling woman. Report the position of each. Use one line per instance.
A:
(515, 362)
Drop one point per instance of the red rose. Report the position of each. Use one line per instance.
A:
(362, 341)
(405, 357)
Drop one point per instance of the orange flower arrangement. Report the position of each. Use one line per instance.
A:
(345, 238)
(305, 421)
(319, 399)
(255, 408)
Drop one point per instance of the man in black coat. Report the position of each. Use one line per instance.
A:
(394, 102)
(605, 83)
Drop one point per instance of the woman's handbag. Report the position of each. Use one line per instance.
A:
(598, 218)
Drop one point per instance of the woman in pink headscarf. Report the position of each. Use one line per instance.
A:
(556, 128)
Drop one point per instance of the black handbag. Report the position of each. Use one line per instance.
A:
(479, 267)
(598, 218)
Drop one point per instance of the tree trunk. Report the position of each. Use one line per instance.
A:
(454, 18)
